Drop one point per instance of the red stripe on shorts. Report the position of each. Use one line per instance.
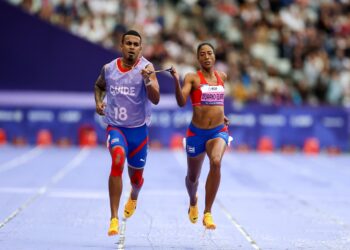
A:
(136, 150)
(224, 129)
(189, 133)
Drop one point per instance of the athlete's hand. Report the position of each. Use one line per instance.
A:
(146, 73)
(100, 107)
(174, 73)
(226, 121)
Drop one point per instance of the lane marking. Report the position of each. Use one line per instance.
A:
(122, 238)
(42, 190)
(181, 158)
(15, 190)
(18, 161)
(239, 227)
(74, 163)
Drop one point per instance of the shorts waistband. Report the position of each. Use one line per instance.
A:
(111, 127)
(200, 131)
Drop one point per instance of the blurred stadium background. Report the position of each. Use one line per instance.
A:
(288, 64)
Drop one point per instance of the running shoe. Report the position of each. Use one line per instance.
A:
(130, 207)
(208, 221)
(193, 212)
(113, 227)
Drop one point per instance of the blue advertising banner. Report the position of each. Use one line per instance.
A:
(284, 125)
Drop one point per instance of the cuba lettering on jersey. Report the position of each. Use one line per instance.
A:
(127, 102)
(212, 95)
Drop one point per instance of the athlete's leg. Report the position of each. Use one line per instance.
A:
(136, 159)
(195, 149)
(115, 186)
(115, 179)
(136, 181)
(215, 149)
(118, 148)
(194, 166)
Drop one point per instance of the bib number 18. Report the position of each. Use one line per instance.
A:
(120, 113)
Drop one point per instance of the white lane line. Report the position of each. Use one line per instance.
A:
(181, 158)
(122, 238)
(42, 190)
(15, 190)
(102, 195)
(18, 161)
(239, 227)
(71, 165)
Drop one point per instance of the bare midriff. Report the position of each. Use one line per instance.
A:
(207, 117)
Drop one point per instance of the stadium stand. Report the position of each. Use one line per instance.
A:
(287, 61)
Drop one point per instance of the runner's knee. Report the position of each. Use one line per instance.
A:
(137, 179)
(118, 159)
(191, 180)
(215, 162)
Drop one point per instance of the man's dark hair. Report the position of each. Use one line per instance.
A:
(202, 44)
(131, 33)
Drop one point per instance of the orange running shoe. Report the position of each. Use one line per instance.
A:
(113, 227)
(193, 212)
(208, 221)
(130, 207)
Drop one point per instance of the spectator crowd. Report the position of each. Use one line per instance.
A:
(280, 52)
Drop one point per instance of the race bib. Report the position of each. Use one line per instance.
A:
(212, 95)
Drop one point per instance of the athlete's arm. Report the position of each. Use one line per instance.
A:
(182, 94)
(223, 77)
(178, 94)
(100, 92)
(151, 83)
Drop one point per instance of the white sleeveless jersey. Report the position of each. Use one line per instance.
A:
(127, 102)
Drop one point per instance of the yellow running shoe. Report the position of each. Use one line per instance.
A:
(113, 227)
(193, 213)
(130, 207)
(208, 221)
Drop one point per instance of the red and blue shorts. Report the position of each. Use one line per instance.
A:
(197, 138)
(133, 140)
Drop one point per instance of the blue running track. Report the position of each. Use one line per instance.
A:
(57, 198)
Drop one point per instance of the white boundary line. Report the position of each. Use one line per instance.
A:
(239, 227)
(121, 241)
(181, 158)
(75, 162)
(15, 190)
(18, 161)
(122, 238)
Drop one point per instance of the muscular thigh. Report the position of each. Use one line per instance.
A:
(116, 138)
(133, 140)
(137, 139)
(216, 147)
